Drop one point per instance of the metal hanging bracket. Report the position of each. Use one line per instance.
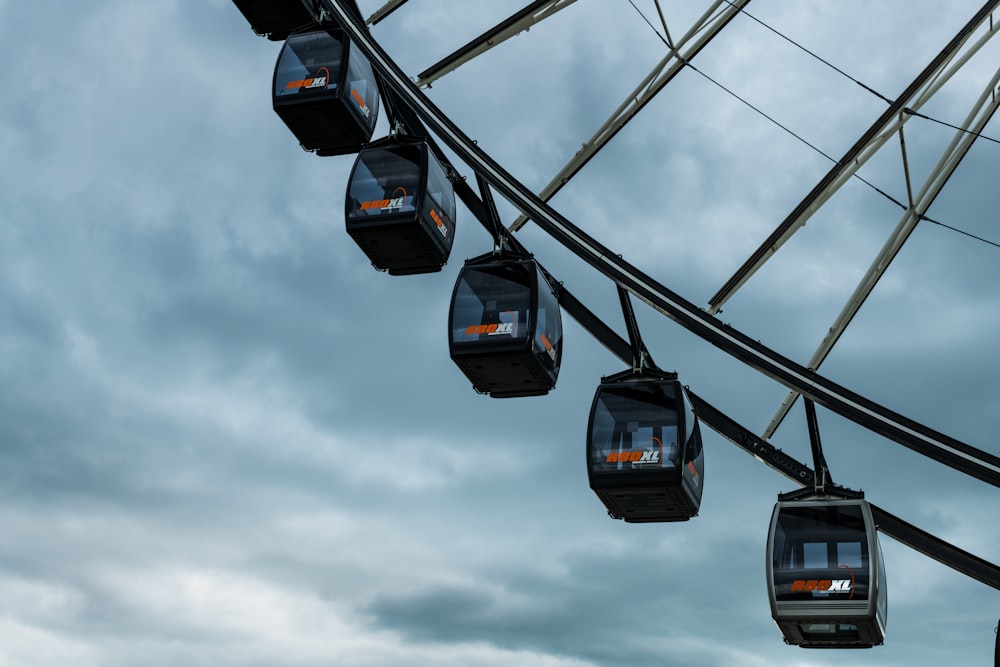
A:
(641, 359)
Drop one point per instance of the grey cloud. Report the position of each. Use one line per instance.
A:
(212, 404)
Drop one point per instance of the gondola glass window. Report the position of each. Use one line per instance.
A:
(505, 328)
(385, 181)
(826, 575)
(401, 207)
(821, 553)
(490, 304)
(632, 430)
(309, 65)
(361, 87)
(325, 92)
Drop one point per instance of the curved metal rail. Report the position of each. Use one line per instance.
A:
(869, 414)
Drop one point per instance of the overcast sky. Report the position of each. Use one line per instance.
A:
(226, 440)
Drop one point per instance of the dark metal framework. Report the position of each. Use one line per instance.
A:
(867, 413)
(404, 100)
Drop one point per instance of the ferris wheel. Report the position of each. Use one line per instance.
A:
(826, 578)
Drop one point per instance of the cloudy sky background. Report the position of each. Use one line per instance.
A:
(226, 440)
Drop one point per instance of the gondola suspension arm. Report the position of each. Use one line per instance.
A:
(640, 355)
(822, 479)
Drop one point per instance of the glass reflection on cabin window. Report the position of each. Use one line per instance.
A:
(821, 552)
(635, 429)
(440, 193)
(548, 337)
(361, 86)
(308, 63)
(492, 304)
(385, 181)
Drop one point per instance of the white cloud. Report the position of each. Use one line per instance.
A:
(255, 622)
(23, 644)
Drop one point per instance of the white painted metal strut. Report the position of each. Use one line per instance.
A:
(705, 28)
(874, 416)
(919, 92)
(383, 11)
(491, 39)
(984, 109)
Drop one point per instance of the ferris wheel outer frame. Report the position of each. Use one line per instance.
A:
(869, 414)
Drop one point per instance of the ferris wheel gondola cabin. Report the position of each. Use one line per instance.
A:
(325, 92)
(401, 206)
(645, 459)
(505, 328)
(276, 20)
(825, 573)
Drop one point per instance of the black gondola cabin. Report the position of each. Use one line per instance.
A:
(401, 207)
(505, 329)
(644, 453)
(276, 18)
(825, 574)
(325, 92)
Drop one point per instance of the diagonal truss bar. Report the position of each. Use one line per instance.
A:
(694, 40)
(663, 21)
(984, 109)
(929, 81)
(384, 11)
(942, 448)
(517, 23)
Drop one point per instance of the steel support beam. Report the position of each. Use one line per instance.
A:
(929, 81)
(519, 22)
(694, 40)
(984, 109)
(384, 11)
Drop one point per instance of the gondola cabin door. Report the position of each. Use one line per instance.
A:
(401, 207)
(325, 92)
(644, 454)
(825, 574)
(505, 329)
